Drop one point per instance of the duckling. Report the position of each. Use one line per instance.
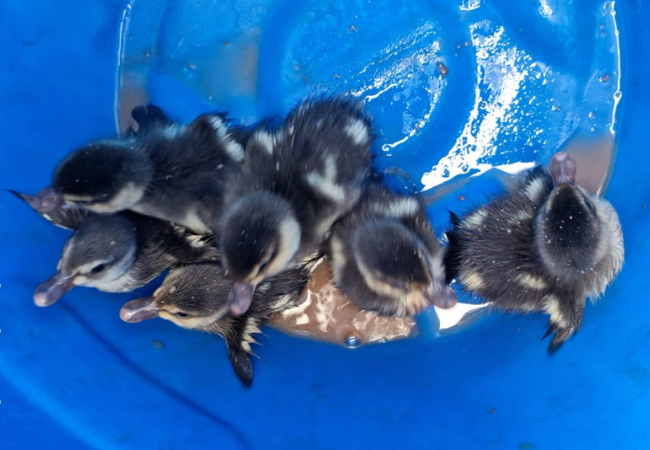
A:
(195, 296)
(545, 247)
(294, 184)
(386, 258)
(116, 253)
(169, 171)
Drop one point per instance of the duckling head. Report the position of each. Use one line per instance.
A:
(99, 252)
(105, 177)
(394, 262)
(260, 239)
(576, 232)
(192, 296)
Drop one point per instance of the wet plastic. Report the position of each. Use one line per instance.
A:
(456, 88)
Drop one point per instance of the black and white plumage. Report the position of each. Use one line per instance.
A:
(295, 183)
(165, 170)
(386, 258)
(546, 246)
(116, 253)
(195, 296)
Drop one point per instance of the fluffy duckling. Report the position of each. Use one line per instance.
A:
(544, 247)
(116, 253)
(386, 258)
(169, 171)
(294, 184)
(195, 296)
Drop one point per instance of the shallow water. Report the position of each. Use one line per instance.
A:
(463, 95)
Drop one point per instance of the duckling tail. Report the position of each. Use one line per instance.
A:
(241, 364)
(239, 351)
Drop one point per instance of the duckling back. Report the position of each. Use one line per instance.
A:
(189, 165)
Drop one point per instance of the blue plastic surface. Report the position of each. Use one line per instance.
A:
(74, 376)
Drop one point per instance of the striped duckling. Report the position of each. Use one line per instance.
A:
(386, 258)
(546, 246)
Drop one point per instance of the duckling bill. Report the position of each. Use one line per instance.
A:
(546, 246)
(116, 253)
(195, 296)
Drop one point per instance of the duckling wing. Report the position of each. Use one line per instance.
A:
(176, 244)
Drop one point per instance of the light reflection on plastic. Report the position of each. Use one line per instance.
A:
(499, 67)
(451, 317)
(617, 95)
(470, 5)
(398, 73)
(544, 9)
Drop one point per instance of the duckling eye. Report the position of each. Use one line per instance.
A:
(590, 206)
(98, 268)
(265, 264)
(181, 314)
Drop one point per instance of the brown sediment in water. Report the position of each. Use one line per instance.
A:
(329, 316)
(594, 158)
(131, 94)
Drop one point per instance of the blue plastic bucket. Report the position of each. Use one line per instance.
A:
(455, 87)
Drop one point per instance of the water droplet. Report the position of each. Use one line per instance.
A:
(444, 70)
(592, 114)
(352, 341)
(172, 289)
(190, 70)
